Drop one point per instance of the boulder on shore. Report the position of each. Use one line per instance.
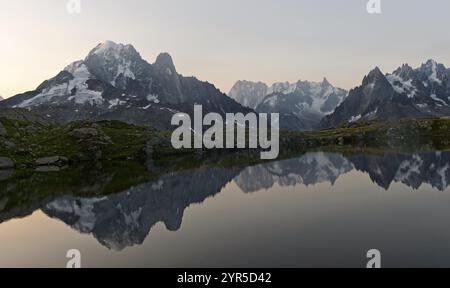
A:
(6, 163)
(51, 161)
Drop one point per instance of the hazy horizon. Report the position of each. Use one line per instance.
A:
(265, 40)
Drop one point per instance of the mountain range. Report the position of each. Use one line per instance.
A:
(301, 105)
(114, 82)
(405, 93)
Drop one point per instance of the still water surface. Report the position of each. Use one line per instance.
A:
(318, 210)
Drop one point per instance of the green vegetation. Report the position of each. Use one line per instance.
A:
(79, 141)
(401, 136)
(26, 141)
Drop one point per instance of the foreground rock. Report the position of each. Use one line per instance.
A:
(48, 169)
(52, 161)
(6, 163)
(91, 133)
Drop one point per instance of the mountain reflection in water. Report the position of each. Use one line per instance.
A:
(125, 219)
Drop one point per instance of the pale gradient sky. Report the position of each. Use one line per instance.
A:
(224, 41)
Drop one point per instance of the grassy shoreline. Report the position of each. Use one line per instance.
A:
(24, 142)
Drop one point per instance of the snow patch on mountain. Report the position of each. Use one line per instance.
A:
(271, 100)
(282, 87)
(443, 174)
(153, 98)
(83, 95)
(45, 96)
(75, 90)
(355, 118)
(439, 100)
(125, 70)
(115, 102)
(433, 77)
(401, 86)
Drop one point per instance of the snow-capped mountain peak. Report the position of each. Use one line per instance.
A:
(114, 82)
(112, 49)
(404, 81)
(435, 71)
(406, 93)
(115, 63)
(301, 104)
